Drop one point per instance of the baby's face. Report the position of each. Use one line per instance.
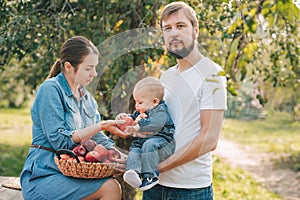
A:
(143, 101)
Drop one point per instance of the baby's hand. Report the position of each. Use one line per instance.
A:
(128, 121)
(132, 130)
(141, 116)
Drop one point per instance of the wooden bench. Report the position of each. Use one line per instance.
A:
(10, 188)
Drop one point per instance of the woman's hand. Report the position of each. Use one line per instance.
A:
(111, 126)
(108, 125)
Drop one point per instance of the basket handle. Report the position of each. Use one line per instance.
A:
(67, 151)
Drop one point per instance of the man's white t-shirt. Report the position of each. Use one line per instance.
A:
(187, 93)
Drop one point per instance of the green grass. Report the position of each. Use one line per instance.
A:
(12, 158)
(234, 184)
(275, 134)
(15, 138)
(15, 126)
(278, 134)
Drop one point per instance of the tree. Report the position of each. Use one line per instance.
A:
(259, 41)
(33, 31)
(258, 36)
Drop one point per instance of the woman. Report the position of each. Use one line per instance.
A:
(64, 114)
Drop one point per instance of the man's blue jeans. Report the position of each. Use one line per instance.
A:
(160, 192)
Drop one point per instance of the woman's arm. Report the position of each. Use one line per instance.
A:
(108, 125)
(211, 123)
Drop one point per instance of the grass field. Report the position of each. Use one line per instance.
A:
(276, 134)
(235, 184)
(15, 137)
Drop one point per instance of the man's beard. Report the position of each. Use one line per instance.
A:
(182, 53)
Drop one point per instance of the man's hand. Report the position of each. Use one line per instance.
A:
(120, 164)
(134, 132)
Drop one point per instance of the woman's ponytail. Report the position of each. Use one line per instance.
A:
(56, 68)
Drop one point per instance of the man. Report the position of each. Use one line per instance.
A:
(195, 93)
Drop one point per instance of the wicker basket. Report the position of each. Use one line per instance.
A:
(87, 170)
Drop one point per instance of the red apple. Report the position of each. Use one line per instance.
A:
(128, 122)
(89, 144)
(93, 156)
(102, 151)
(72, 159)
(113, 154)
(64, 156)
(79, 150)
(81, 158)
(107, 161)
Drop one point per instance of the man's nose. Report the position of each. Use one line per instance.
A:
(174, 32)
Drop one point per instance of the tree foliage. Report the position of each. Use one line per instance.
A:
(258, 40)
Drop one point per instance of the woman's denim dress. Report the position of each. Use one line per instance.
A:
(55, 115)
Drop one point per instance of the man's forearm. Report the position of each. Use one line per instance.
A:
(203, 143)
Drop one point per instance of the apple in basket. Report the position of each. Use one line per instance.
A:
(79, 150)
(64, 156)
(81, 159)
(93, 156)
(106, 161)
(128, 122)
(102, 151)
(112, 155)
(89, 144)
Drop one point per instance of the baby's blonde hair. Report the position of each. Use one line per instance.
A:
(153, 86)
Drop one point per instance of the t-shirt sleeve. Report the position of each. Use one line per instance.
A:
(213, 92)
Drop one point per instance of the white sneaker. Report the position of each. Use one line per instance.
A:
(132, 178)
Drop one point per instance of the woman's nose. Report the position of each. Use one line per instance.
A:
(94, 72)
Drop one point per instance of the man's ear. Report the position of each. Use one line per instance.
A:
(196, 30)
